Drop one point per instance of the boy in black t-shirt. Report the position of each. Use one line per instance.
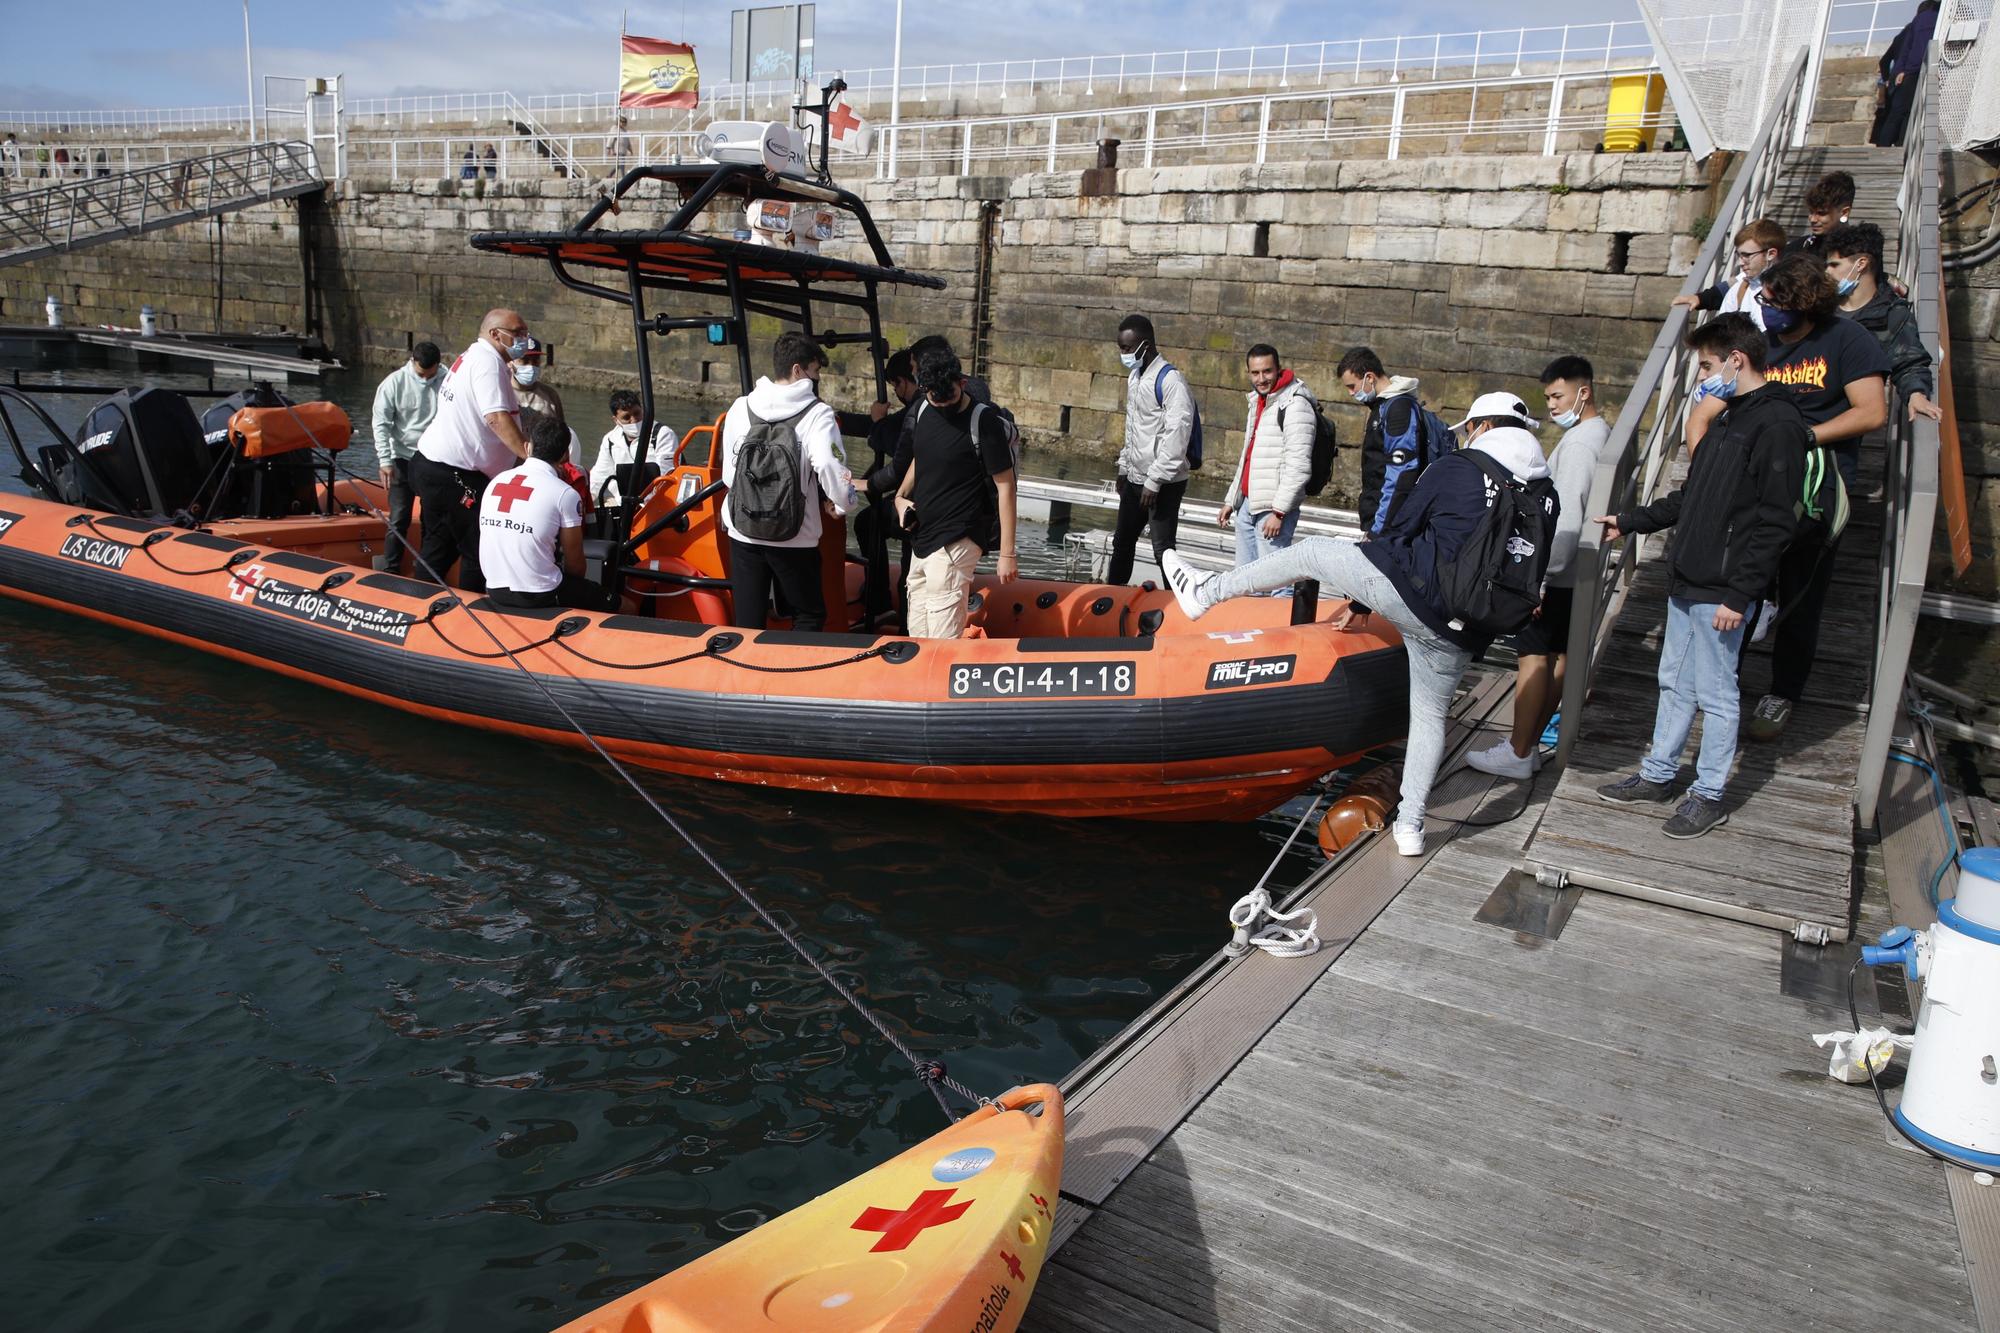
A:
(1838, 375)
(960, 487)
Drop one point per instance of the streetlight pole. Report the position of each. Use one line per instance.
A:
(249, 81)
(895, 88)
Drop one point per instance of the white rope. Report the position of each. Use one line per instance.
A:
(1274, 937)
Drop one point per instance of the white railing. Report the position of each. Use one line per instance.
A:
(1176, 133)
(405, 157)
(1854, 26)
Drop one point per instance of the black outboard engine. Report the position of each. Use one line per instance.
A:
(138, 452)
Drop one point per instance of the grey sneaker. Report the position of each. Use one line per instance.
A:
(1636, 790)
(1768, 718)
(1696, 816)
(1189, 587)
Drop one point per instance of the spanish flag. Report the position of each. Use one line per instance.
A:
(656, 73)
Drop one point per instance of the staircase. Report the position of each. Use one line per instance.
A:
(93, 210)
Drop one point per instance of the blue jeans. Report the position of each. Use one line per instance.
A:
(1435, 665)
(1697, 671)
(1252, 544)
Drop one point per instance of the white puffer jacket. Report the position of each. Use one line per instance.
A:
(1281, 454)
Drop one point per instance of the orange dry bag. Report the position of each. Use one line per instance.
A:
(267, 432)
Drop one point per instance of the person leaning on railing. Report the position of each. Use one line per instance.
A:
(1731, 519)
(1854, 262)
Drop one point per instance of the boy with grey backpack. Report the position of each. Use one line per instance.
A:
(781, 457)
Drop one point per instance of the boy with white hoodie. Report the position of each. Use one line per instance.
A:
(1396, 574)
(791, 563)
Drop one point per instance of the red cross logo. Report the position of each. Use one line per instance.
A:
(900, 1227)
(1041, 1204)
(516, 488)
(1013, 1262)
(842, 121)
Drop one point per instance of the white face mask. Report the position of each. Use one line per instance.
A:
(1131, 360)
(630, 429)
(525, 375)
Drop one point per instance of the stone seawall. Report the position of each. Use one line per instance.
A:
(1470, 273)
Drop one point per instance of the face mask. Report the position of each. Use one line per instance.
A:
(1777, 320)
(526, 375)
(520, 347)
(1846, 285)
(1716, 387)
(1363, 395)
(630, 429)
(1131, 360)
(1566, 419)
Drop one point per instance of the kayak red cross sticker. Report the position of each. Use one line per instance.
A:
(901, 1226)
(516, 488)
(1013, 1262)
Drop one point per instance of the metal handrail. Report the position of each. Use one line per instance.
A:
(1633, 467)
(57, 217)
(1910, 473)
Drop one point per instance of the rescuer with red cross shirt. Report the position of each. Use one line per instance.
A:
(474, 435)
(528, 515)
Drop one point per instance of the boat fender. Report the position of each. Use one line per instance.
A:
(1351, 818)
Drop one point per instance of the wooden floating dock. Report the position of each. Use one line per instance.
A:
(1463, 1125)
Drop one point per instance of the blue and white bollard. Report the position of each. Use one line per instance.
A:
(149, 324)
(1951, 1097)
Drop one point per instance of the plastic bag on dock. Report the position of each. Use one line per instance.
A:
(1851, 1049)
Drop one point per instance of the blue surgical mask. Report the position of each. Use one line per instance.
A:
(520, 347)
(1779, 320)
(1566, 419)
(1847, 285)
(1131, 360)
(526, 375)
(1716, 387)
(1363, 395)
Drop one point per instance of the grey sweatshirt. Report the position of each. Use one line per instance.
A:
(1574, 464)
(1157, 426)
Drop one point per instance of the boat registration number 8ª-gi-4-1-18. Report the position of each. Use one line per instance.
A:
(1040, 680)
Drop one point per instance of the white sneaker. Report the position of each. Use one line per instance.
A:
(1409, 838)
(1187, 584)
(1502, 762)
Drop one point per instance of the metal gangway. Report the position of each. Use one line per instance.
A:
(92, 210)
(1796, 806)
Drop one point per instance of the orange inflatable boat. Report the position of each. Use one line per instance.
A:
(948, 1236)
(1063, 699)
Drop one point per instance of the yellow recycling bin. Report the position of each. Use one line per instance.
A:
(1631, 119)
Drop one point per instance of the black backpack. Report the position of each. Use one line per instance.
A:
(1325, 447)
(1494, 584)
(766, 501)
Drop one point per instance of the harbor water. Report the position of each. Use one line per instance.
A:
(328, 1017)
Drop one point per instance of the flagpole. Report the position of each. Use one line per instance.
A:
(895, 88)
(249, 81)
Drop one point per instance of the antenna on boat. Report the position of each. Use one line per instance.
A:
(824, 110)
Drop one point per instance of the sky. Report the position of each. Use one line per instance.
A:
(161, 53)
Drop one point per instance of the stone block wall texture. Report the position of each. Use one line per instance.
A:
(1471, 273)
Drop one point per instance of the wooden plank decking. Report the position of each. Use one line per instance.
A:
(1461, 1127)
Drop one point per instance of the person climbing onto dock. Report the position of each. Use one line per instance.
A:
(1406, 574)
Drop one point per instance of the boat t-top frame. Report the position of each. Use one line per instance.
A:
(683, 259)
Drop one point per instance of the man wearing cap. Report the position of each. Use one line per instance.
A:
(1396, 574)
(476, 435)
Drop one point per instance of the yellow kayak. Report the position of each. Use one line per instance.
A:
(949, 1235)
